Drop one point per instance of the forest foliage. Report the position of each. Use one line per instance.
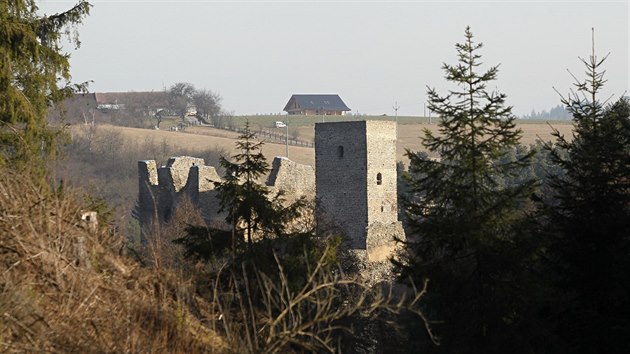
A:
(521, 261)
(34, 75)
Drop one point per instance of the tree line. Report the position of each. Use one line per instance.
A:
(558, 112)
(141, 109)
(515, 267)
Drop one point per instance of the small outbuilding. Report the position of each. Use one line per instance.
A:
(308, 105)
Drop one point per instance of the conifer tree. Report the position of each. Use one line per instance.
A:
(248, 207)
(34, 75)
(462, 218)
(589, 222)
(261, 222)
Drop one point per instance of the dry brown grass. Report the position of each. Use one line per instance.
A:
(263, 315)
(66, 288)
(409, 134)
(408, 138)
(207, 138)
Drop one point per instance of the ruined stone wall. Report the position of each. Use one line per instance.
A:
(353, 183)
(200, 189)
(147, 190)
(295, 179)
(172, 178)
(177, 170)
(160, 189)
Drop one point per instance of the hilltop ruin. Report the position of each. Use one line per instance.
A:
(353, 183)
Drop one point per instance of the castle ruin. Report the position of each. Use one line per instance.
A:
(356, 184)
(353, 183)
(161, 189)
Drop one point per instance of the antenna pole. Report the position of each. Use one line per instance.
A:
(396, 107)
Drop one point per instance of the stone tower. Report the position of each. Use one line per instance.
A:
(355, 177)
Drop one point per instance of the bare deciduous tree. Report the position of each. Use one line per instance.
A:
(208, 103)
(180, 98)
(311, 318)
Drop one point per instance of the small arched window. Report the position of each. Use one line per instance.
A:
(340, 151)
(379, 179)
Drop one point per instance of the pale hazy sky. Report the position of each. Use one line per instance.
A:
(255, 54)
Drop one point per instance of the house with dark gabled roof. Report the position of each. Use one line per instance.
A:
(330, 105)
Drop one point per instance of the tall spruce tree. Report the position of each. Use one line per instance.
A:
(463, 220)
(34, 75)
(251, 209)
(262, 223)
(589, 221)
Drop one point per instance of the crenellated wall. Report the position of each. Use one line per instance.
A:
(293, 178)
(161, 188)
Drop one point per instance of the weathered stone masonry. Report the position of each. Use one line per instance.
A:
(160, 189)
(354, 184)
(355, 167)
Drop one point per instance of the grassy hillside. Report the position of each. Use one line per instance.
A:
(410, 129)
(66, 287)
(301, 121)
(103, 160)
